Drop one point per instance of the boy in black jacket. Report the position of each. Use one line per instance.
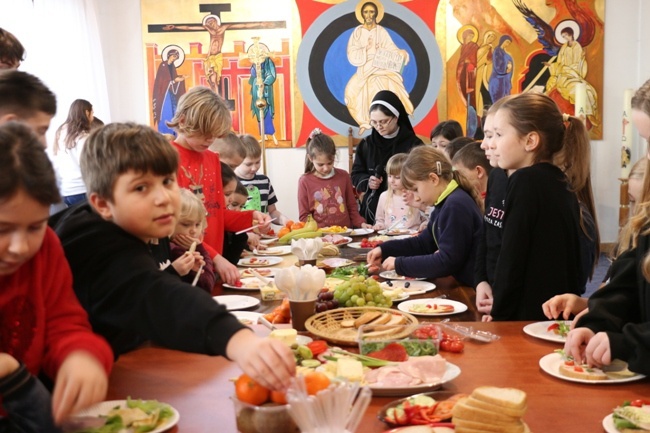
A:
(133, 197)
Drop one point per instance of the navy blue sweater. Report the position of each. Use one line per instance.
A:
(448, 245)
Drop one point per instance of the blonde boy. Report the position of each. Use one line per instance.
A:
(230, 149)
(202, 116)
(261, 195)
(130, 172)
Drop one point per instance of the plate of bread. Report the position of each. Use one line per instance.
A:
(558, 365)
(341, 325)
(432, 307)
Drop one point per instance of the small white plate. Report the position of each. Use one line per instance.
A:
(250, 283)
(392, 275)
(397, 232)
(414, 287)
(357, 245)
(459, 307)
(451, 373)
(540, 330)
(259, 262)
(551, 364)
(361, 232)
(236, 302)
(282, 250)
(343, 241)
(104, 407)
(336, 262)
(247, 317)
(265, 272)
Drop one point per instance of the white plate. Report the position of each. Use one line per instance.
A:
(539, 330)
(303, 339)
(268, 240)
(397, 232)
(451, 373)
(459, 307)
(414, 288)
(361, 232)
(105, 407)
(247, 317)
(259, 262)
(392, 275)
(336, 262)
(236, 302)
(357, 245)
(608, 424)
(249, 283)
(346, 240)
(265, 272)
(551, 364)
(281, 250)
(404, 297)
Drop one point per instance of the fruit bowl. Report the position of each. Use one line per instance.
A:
(268, 418)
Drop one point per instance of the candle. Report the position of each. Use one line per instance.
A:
(581, 101)
(626, 137)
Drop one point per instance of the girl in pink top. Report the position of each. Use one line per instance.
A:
(392, 208)
(325, 192)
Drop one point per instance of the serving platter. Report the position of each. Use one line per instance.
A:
(438, 396)
(452, 372)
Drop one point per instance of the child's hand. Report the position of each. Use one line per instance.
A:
(598, 351)
(389, 264)
(366, 226)
(184, 241)
(80, 382)
(576, 342)
(378, 226)
(374, 256)
(226, 270)
(484, 297)
(566, 303)
(253, 240)
(184, 264)
(8, 364)
(268, 361)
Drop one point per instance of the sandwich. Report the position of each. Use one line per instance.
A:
(632, 417)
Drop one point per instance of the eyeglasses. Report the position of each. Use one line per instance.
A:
(382, 123)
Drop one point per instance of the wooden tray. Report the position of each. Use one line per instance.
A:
(327, 325)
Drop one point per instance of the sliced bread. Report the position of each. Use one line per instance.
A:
(464, 410)
(582, 372)
(480, 404)
(464, 425)
(502, 397)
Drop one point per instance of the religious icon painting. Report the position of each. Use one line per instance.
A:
(238, 49)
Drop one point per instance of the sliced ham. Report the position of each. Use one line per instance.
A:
(416, 370)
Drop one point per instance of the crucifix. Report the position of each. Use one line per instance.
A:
(257, 54)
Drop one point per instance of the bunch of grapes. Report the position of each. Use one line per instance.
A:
(326, 301)
(360, 292)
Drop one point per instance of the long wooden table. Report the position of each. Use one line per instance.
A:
(199, 386)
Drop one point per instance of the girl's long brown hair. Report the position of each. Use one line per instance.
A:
(77, 124)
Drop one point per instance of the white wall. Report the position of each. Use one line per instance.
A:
(625, 67)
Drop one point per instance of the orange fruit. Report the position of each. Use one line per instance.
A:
(283, 231)
(297, 226)
(289, 224)
(316, 381)
(278, 397)
(249, 391)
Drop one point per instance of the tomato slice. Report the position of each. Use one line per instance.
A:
(317, 346)
(553, 327)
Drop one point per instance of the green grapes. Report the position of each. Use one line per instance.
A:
(359, 292)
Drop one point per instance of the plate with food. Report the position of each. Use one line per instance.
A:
(236, 302)
(250, 283)
(393, 275)
(336, 230)
(336, 262)
(452, 371)
(358, 245)
(259, 262)
(336, 239)
(397, 232)
(412, 287)
(432, 407)
(396, 295)
(631, 416)
(361, 232)
(549, 330)
(145, 418)
(247, 317)
(282, 250)
(265, 272)
(432, 307)
(558, 365)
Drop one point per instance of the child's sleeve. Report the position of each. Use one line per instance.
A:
(207, 279)
(67, 326)
(380, 213)
(235, 221)
(304, 196)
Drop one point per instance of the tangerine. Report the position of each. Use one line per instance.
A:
(278, 397)
(249, 391)
(316, 381)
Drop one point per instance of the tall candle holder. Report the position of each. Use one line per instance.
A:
(624, 203)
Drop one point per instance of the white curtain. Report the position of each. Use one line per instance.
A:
(63, 48)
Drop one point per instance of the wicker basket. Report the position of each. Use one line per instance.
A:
(327, 325)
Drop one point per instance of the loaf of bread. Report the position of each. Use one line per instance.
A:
(491, 409)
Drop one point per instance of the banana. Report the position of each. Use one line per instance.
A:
(310, 226)
(286, 239)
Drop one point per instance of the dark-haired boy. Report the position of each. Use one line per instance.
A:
(130, 172)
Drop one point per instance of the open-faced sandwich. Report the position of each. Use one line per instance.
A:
(569, 368)
(431, 308)
(633, 416)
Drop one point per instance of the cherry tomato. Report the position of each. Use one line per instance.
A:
(317, 346)
(238, 284)
(639, 403)
(453, 346)
(553, 327)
